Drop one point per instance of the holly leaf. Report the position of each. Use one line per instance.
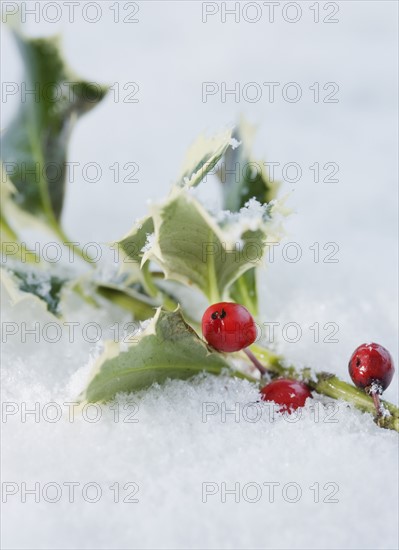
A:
(6, 191)
(192, 247)
(242, 176)
(132, 244)
(202, 157)
(167, 348)
(34, 145)
(132, 248)
(22, 285)
(10, 245)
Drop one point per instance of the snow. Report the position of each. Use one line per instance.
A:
(149, 242)
(170, 452)
(250, 216)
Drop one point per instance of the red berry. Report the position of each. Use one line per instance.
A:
(228, 326)
(371, 364)
(290, 394)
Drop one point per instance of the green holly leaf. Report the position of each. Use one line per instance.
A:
(167, 348)
(192, 247)
(132, 247)
(23, 285)
(132, 244)
(242, 176)
(10, 245)
(34, 145)
(6, 191)
(202, 157)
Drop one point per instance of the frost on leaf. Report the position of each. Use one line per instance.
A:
(193, 248)
(23, 285)
(135, 241)
(242, 176)
(245, 179)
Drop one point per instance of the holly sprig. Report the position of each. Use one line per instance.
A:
(181, 256)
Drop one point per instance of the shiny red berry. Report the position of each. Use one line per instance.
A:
(227, 326)
(371, 364)
(289, 394)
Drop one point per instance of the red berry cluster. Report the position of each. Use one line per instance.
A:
(229, 327)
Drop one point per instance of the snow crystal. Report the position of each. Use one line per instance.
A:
(235, 143)
(250, 217)
(149, 242)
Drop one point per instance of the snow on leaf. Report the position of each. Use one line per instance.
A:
(132, 244)
(200, 159)
(21, 285)
(192, 248)
(242, 176)
(244, 179)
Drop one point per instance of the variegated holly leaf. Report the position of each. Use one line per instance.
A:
(132, 245)
(167, 348)
(194, 248)
(11, 217)
(202, 157)
(34, 145)
(22, 284)
(242, 176)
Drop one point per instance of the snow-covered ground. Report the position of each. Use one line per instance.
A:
(173, 449)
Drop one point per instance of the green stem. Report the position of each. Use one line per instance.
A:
(330, 385)
(246, 298)
(149, 284)
(214, 294)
